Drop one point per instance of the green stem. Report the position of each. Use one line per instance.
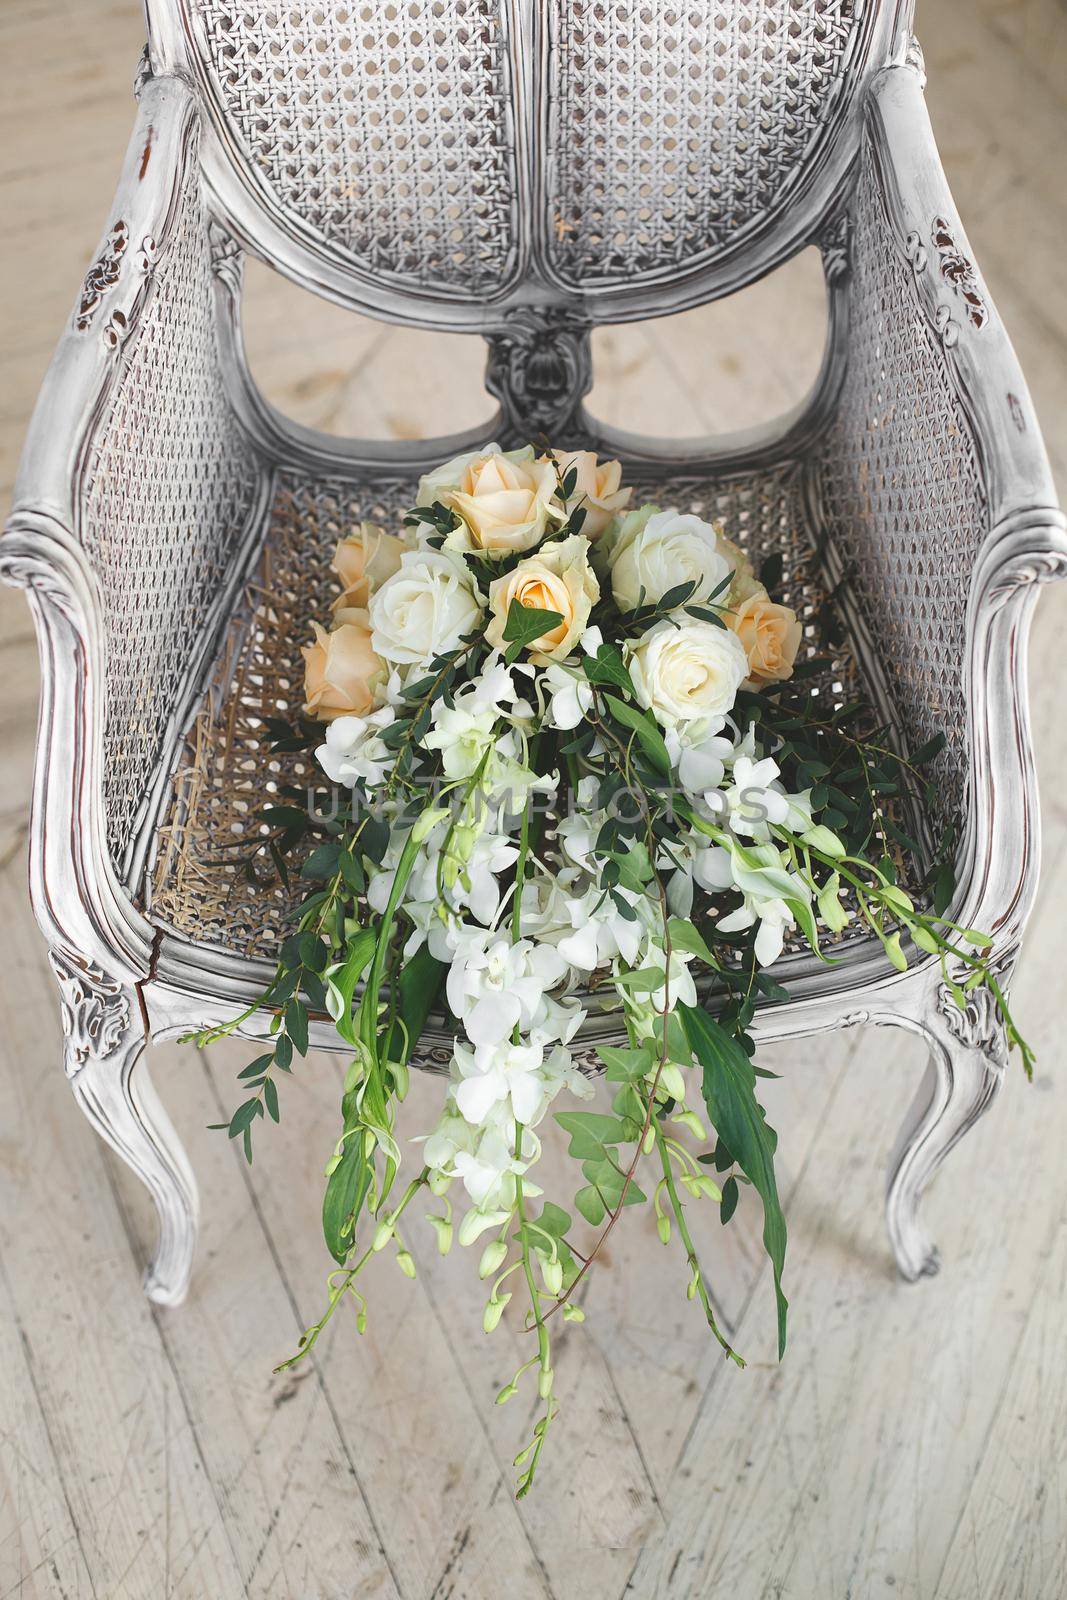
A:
(690, 1249)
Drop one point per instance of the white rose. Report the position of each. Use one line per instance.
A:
(687, 672)
(655, 553)
(424, 610)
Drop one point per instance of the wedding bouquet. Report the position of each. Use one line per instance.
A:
(575, 783)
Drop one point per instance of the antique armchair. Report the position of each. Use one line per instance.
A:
(521, 172)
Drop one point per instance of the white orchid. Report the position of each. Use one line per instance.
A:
(598, 930)
(755, 801)
(463, 732)
(354, 751)
(569, 696)
(502, 1074)
(495, 985)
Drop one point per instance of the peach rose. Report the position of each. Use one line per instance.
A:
(505, 501)
(770, 634)
(596, 489)
(363, 560)
(558, 578)
(341, 670)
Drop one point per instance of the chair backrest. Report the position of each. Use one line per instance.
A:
(442, 161)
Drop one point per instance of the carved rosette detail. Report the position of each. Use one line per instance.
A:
(958, 272)
(227, 257)
(540, 369)
(836, 246)
(102, 275)
(978, 1023)
(95, 1008)
(1036, 566)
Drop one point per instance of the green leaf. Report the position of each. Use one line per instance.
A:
(346, 1190)
(590, 1205)
(418, 986)
(244, 1116)
(591, 1133)
(730, 1095)
(257, 1067)
(649, 736)
(526, 623)
(360, 950)
(608, 666)
(635, 868)
(926, 753)
(728, 1204)
(626, 1066)
(270, 1097)
(296, 1026)
(321, 864)
(688, 939)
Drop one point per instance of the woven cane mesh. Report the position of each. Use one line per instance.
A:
(903, 496)
(224, 776)
(168, 488)
(381, 127)
(675, 128)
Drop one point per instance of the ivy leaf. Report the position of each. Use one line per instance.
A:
(626, 1066)
(590, 1205)
(730, 1095)
(608, 667)
(525, 624)
(592, 1134)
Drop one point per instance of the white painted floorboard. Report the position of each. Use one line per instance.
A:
(912, 1444)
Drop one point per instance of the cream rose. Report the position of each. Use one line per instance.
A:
(655, 553)
(596, 488)
(558, 578)
(363, 560)
(342, 672)
(425, 609)
(687, 672)
(770, 635)
(505, 502)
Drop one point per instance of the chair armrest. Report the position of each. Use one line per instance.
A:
(136, 508)
(137, 486)
(937, 502)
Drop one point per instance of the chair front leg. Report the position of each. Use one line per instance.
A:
(104, 1040)
(968, 1056)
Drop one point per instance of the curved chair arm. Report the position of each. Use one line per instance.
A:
(137, 494)
(938, 501)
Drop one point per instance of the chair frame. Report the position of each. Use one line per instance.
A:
(124, 979)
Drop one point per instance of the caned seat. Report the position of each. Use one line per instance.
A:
(518, 172)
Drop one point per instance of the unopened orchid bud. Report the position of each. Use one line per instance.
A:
(552, 1273)
(382, 1236)
(493, 1256)
(405, 1263)
(493, 1312)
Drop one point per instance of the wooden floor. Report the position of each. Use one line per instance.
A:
(913, 1443)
